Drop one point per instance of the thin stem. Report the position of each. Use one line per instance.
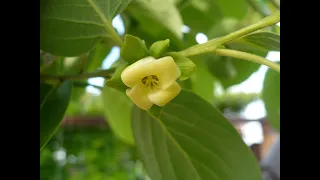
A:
(248, 57)
(103, 73)
(108, 26)
(212, 45)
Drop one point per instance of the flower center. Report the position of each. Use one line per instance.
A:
(150, 82)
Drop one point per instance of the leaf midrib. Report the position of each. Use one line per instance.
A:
(163, 127)
(46, 97)
(106, 23)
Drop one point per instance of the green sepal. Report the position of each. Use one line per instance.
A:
(133, 49)
(115, 81)
(186, 66)
(158, 48)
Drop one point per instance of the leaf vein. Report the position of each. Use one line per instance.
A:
(210, 122)
(206, 168)
(80, 37)
(152, 149)
(74, 21)
(202, 147)
(177, 145)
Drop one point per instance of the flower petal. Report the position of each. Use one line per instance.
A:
(163, 96)
(134, 73)
(139, 95)
(167, 71)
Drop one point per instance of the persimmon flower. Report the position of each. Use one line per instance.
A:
(152, 81)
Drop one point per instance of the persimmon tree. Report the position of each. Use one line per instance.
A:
(158, 96)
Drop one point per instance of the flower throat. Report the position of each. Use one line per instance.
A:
(150, 81)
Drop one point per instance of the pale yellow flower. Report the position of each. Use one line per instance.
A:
(152, 81)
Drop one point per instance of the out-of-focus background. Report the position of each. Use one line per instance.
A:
(85, 148)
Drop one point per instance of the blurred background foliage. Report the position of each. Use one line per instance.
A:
(89, 153)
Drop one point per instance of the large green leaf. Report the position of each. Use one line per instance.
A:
(223, 27)
(158, 18)
(200, 15)
(233, 8)
(53, 105)
(230, 71)
(269, 41)
(242, 69)
(97, 55)
(117, 110)
(203, 82)
(74, 65)
(133, 49)
(51, 64)
(221, 67)
(271, 97)
(190, 139)
(71, 28)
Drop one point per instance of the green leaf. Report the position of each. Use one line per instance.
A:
(158, 18)
(133, 49)
(190, 139)
(203, 82)
(77, 92)
(97, 55)
(123, 6)
(186, 66)
(234, 102)
(115, 81)
(52, 64)
(271, 97)
(244, 69)
(233, 8)
(198, 14)
(223, 27)
(117, 110)
(71, 28)
(186, 84)
(53, 105)
(221, 67)
(158, 48)
(231, 71)
(73, 65)
(269, 41)
(41, 61)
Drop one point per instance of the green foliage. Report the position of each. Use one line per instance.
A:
(91, 153)
(117, 110)
(234, 102)
(239, 11)
(71, 28)
(198, 15)
(203, 82)
(115, 81)
(133, 49)
(157, 18)
(158, 48)
(266, 40)
(97, 55)
(186, 66)
(221, 67)
(53, 105)
(75, 38)
(243, 69)
(167, 137)
(271, 97)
